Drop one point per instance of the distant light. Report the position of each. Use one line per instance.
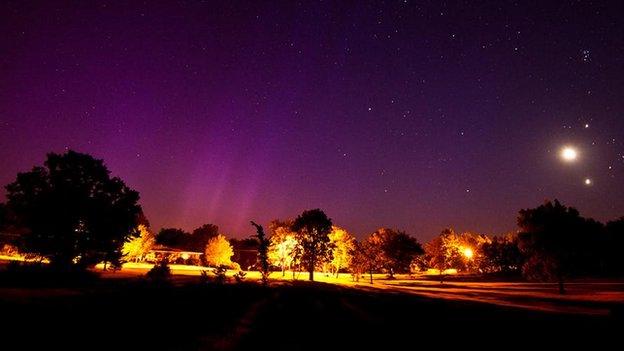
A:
(588, 181)
(586, 125)
(185, 256)
(468, 253)
(569, 154)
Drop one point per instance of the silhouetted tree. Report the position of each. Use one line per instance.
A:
(199, 238)
(313, 228)
(263, 248)
(174, 238)
(613, 249)
(551, 237)
(501, 255)
(397, 250)
(3, 216)
(73, 210)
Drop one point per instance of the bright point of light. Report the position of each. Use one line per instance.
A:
(588, 181)
(185, 256)
(468, 252)
(569, 154)
(586, 125)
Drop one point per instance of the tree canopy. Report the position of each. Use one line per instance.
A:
(73, 211)
(313, 228)
(283, 246)
(342, 246)
(219, 252)
(396, 248)
(553, 238)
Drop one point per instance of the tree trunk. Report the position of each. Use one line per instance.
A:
(311, 276)
(283, 270)
(371, 276)
(441, 277)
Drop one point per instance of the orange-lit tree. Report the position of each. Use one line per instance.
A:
(219, 252)
(313, 228)
(342, 246)
(283, 246)
(366, 258)
(136, 248)
(443, 252)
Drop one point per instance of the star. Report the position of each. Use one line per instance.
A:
(569, 154)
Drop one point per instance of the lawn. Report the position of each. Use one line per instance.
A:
(129, 312)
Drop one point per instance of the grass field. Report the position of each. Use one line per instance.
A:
(124, 311)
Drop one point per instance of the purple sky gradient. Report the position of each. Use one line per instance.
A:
(416, 116)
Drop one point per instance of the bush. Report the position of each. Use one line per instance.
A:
(240, 276)
(219, 273)
(203, 278)
(160, 271)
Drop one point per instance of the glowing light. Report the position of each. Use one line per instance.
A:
(468, 253)
(588, 181)
(569, 154)
(185, 256)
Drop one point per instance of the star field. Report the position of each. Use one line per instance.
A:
(415, 115)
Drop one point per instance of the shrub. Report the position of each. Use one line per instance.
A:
(219, 273)
(240, 276)
(203, 278)
(160, 271)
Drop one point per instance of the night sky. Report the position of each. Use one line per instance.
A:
(411, 115)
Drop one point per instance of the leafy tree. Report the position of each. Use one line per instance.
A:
(366, 257)
(551, 237)
(283, 246)
(173, 237)
(313, 228)
(343, 245)
(501, 255)
(137, 247)
(199, 238)
(444, 252)
(3, 216)
(614, 245)
(219, 252)
(73, 210)
(397, 250)
(263, 248)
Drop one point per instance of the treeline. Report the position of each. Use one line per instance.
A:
(72, 213)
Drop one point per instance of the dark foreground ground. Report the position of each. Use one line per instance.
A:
(136, 314)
